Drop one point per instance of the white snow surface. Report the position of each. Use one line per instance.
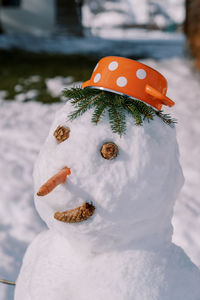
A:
(56, 85)
(129, 234)
(23, 130)
(52, 269)
(132, 193)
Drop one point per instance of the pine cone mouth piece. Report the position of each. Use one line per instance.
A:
(76, 215)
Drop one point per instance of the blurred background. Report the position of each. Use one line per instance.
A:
(49, 45)
(66, 38)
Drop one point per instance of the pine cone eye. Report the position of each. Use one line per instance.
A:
(61, 133)
(109, 150)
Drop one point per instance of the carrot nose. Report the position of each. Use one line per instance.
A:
(55, 180)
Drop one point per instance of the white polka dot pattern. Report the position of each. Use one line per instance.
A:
(97, 77)
(141, 74)
(113, 65)
(121, 81)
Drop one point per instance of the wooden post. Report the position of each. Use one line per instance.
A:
(1, 30)
(192, 28)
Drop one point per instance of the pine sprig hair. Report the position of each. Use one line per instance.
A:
(116, 105)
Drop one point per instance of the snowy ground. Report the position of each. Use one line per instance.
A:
(22, 132)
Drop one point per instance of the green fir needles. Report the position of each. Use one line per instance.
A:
(116, 105)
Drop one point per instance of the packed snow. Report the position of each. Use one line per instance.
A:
(56, 85)
(133, 196)
(23, 131)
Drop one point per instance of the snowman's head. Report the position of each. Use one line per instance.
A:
(133, 193)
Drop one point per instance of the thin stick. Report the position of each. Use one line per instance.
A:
(7, 282)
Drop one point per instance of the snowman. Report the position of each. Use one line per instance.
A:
(106, 190)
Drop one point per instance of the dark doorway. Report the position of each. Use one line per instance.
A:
(68, 17)
(10, 2)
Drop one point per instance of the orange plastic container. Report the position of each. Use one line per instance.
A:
(129, 77)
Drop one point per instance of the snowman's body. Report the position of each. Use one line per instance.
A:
(124, 251)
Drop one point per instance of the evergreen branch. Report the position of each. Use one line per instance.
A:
(99, 110)
(74, 93)
(135, 113)
(78, 94)
(117, 116)
(146, 110)
(117, 105)
(166, 118)
(83, 108)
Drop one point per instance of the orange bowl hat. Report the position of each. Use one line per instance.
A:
(128, 77)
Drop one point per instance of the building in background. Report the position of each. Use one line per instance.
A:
(41, 17)
(45, 17)
(167, 15)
